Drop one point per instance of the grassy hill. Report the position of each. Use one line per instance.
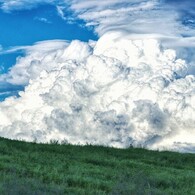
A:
(43, 169)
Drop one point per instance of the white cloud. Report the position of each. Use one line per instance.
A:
(60, 11)
(115, 92)
(44, 20)
(134, 17)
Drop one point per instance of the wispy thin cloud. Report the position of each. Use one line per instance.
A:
(11, 5)
(44, 20)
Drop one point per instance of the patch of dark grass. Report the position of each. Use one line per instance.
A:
(137, 183)
(15, 185)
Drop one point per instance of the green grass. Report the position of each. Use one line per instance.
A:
(44, 169)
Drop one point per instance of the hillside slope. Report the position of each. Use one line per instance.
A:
(30, 168)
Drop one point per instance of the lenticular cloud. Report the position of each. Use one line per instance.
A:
(115, 92)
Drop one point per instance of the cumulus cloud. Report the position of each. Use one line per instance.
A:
(116, 92)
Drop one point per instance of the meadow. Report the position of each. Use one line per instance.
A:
(48, 169)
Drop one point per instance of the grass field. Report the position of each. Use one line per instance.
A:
(44, 169)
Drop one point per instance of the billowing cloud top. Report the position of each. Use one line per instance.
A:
(123, 89)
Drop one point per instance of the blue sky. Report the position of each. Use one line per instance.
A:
(25, 27)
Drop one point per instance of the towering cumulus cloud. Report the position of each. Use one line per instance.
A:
(116, 92)
(125, 89)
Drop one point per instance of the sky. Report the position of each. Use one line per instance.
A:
(123, 69)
